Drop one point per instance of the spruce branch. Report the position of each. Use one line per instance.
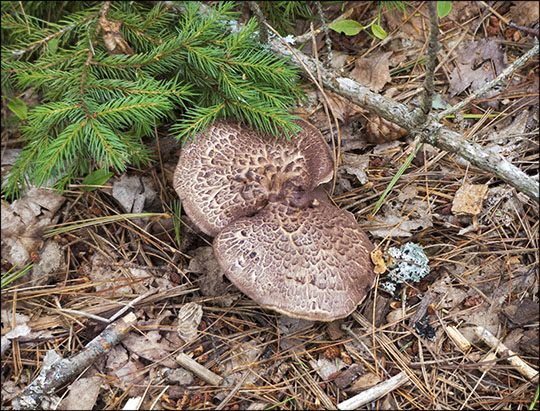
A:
(110, 74)
(431, 131)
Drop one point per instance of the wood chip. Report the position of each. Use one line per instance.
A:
(459, 340)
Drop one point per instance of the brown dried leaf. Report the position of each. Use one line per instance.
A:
(211, 281)
(83, 394)
(113, 39)
(341, 107)
(474, 66)
(356, 165)
(373, 72)
(151, 347)
(524, 13)
(389, 220)
(469, 198)
(23, 223)
(364, 382)
(524, 313)
(134, 193)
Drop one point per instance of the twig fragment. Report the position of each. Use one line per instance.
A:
(205, 374)
(373, 393)
(521, 366)
(459, 339)
(432, 49)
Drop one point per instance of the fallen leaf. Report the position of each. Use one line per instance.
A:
(523, 313)
(372, 72)
(112, 37)
(83, 394)
(339, 58)
(347, 377)
(477, 63)
(24, 221)
(356, 165)
(152, 347)
(242, 361)
(391, 219)
(134, 193)
(364, 382)
(326, 367)
(51, 258)
(211, 282)
(342, 108)
(524, 13)
(469, 198)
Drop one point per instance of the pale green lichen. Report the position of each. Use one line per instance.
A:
(409, 265)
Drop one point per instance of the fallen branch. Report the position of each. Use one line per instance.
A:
(431, 131)
(61, 371)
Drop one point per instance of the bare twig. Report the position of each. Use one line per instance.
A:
(200, 371)
(373, 393)
(431, 132)
(132, 303)
(263, 31)
(432, 49)
(325, 30)
(64, 370)
(527, 30)
(524, 369)
(306, 36)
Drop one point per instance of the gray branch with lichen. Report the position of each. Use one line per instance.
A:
(431, 131)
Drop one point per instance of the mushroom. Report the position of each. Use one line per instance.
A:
(278, 237)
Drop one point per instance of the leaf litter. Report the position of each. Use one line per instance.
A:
(484, 264)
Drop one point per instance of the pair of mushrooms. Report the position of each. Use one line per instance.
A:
(278, 237)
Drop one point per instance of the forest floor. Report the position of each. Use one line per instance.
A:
(479, 234)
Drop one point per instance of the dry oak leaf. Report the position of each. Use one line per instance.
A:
(372, 72)
(23, 223)
(113, 39)
(469, 198)
(524, 13)
(477, 63)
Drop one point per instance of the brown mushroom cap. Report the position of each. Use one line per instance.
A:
(230, 171)
(309, 261)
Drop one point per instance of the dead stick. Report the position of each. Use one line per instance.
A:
(62, 370)
(431, 132)
(373, 393)
(524, 369)
(196, 368)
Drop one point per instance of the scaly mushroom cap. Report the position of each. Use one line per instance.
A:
(230, 171)
(304, 258)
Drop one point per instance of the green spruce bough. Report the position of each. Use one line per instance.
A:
(100, 110)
